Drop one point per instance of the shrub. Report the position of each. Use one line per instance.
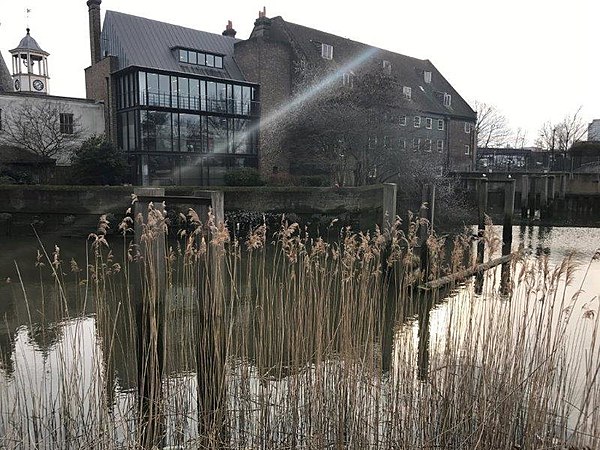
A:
(314, 180)
(97, 161)
(245, 176)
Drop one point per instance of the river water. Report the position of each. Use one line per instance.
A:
(42, 343)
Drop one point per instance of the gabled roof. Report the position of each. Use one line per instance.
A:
(138, 41)
(6, 84)
(408, 71)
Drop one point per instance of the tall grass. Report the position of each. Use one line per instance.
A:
(280, 339)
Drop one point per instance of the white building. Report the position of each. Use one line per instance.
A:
(28, 87)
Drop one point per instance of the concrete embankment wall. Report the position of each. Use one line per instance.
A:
(55, 206)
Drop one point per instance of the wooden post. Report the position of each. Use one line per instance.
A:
(507, 234)
(482, 193)
(531, 196)
(424, 232)
(544, 198)
(524, 196)
(390, 192)
(149, 294)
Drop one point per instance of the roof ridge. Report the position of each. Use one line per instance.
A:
(170, 24)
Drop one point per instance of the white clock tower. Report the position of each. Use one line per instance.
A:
(30, 67)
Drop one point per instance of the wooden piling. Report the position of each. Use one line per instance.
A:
(524, 196)
(509, 207)
(389, 206)
(149, 295)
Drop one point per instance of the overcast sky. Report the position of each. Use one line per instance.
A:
(535, 60)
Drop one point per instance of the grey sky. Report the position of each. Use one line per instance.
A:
(535, 60)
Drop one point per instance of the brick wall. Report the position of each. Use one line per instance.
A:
(269, 64)
(100, 86)
(458, 139)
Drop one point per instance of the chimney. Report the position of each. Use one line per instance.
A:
(229, 31)
(262, 25)
(94, 13)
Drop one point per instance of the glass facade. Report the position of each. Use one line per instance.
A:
(186, 130)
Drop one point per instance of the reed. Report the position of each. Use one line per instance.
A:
(279, 339)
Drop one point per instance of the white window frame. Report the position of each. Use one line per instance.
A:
(428, 123)
(402, 143)
(348, 79)
(428, 144)
(441, 124)
(387, 67)
(326, 51)
(440, 145)
(467, 149)
(467, 127)
(447, 99)
(427, 76)
(403, 121)
(416, 144)
(407, 92)
(417, 122)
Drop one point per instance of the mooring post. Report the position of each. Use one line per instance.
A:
(507, 232)
(424, 232)
(532, 196)
(544, 198)
(149, 294)
(482, 198)
(390, 192)
(551, 195)
(524, 196)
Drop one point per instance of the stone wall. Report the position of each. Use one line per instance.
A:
(60, 205)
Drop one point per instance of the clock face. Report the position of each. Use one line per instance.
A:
(17, 85)
(38, 85)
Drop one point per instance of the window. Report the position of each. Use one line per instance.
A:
(407, 92)
(440, 145)
(386, 142)
(427, 145)
(427, 76)
(416, 144)
(66, 123)
(467, 127)
(428, 122)
(403, 121)
(441, 124)
(402, 144)
(348, 79)
(447, 99)
(387, 67)
(200, 58)
(467, 149)
(327, 51)
(0, 120)
(417, 121)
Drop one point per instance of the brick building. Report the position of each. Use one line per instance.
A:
(431, 119)
(177, 102)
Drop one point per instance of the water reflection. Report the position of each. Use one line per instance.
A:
(277, 395)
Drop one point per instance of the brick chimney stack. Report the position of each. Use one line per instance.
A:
(94, 13)
(262, 25)
(229, 31)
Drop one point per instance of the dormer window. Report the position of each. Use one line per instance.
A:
(427, 76)
(348, 79)
(387, 67)
(200, 58)
(447, 99)
(407, 92)
(326, 51)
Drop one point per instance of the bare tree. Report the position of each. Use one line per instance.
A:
(492, 127)
(46, 128)
(562, 135)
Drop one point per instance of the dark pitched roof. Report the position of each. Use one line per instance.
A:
(142, 42)
(16, 155)
(6, 84)
(427, 97)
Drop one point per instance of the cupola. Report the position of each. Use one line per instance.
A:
(30, 66)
